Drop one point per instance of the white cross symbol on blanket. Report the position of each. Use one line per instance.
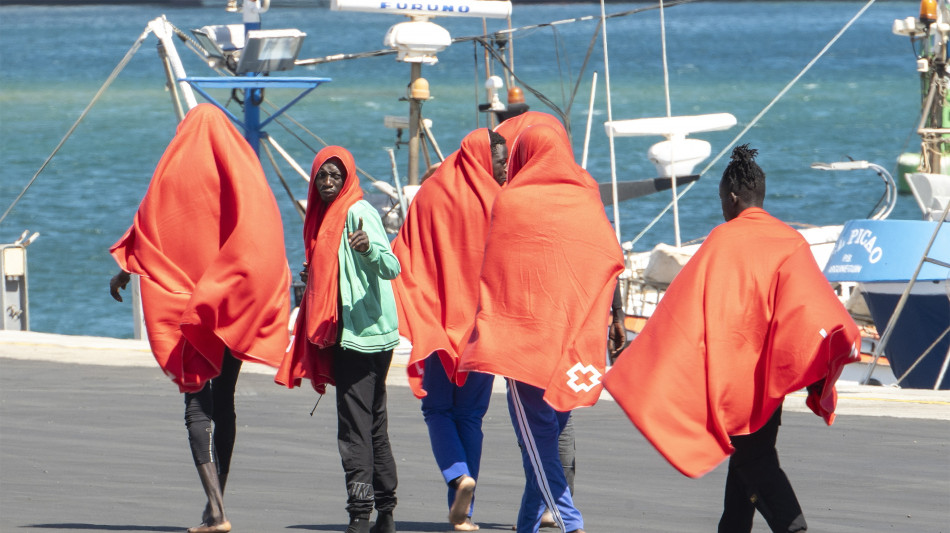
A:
(593, 380)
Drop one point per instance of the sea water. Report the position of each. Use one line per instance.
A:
(860, 100)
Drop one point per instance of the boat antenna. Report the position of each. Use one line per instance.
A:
(669, 114)
(610, 118)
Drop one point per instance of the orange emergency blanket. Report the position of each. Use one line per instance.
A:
(208, 243)
(749, 319)
(315, 331)
(440, 248)
(551, 265)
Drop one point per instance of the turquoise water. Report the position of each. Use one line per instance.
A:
(860, 101)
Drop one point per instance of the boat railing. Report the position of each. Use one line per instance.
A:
(887, 201)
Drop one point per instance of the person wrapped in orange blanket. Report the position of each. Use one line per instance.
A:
(511, 128)
(544, 302)
(749, 319)
(346, 330)
(208, 244)
(440, 249)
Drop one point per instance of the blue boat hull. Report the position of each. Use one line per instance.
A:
(925, 316)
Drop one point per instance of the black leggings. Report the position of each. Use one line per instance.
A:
(213, 403)
(756, 481)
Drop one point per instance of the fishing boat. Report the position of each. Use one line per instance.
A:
(903, 267)
(892, 275)
(238, 78)
(246, 61)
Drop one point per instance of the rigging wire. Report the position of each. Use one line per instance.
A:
(587, 18)
(563, 114)
(319, 139)
(538, 94)
(758, 117)
(558, 43)
(484, 38)
(590, 51)
(299, 208)
(115, 73)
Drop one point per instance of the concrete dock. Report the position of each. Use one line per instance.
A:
(92, 439)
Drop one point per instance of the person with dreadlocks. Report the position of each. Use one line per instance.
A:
(749, 319)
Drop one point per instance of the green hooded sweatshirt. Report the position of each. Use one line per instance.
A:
(368, 307)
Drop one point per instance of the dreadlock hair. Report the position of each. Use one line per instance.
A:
(496, 138)
(743, 176)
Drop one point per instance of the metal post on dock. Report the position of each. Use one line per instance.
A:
(14, 296)
(415, 115)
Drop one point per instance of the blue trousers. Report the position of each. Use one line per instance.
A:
(538, 426)
(454, 417)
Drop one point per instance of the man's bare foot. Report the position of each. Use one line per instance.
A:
(464, 491)
(467, 525)
(223, 527)
(547, 519)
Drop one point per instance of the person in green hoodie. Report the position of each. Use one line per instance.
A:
(346, 330)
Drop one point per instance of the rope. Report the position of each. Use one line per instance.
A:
(115, 73)
(758, 116)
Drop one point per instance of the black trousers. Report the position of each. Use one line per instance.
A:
(363, 430)
(756, 481)
(566, 451)
(214, 403)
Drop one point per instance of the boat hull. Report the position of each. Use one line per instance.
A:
(924, 317)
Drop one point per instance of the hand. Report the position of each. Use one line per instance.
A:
(305, 273)
(616, 340)
(358, 239)
(119, 281)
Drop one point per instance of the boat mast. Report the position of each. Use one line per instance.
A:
(932, 65)
(417, 42)
(416, 97)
